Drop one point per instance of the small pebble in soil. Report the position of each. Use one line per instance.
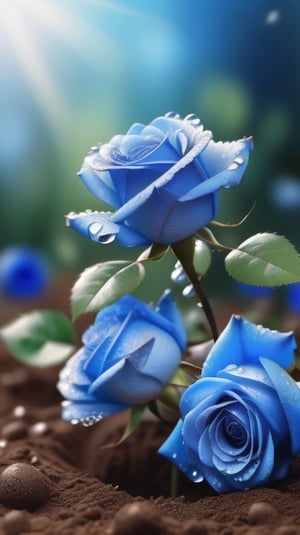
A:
(15, 522)
(137, 517)
(38, 429)
(14, 430)
(261, 513)
(19, 411)
(23, 486)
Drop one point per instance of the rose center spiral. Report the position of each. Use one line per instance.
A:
(235, 432)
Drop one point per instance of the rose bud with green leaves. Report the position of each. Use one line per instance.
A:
(128, 356)
(240, 421)
(163, 180)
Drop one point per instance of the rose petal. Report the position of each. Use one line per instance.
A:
(217, 157)
(243, 342)
(289, 395)
(100, 185)
(173, 449)
(125, 384)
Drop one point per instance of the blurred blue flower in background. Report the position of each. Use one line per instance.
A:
(293, 298)
(24, 273)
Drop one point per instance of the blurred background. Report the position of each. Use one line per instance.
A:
(76, 72)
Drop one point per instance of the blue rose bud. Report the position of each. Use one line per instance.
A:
(239, 425)
(24, 273)
(162, 179)
(128, 356)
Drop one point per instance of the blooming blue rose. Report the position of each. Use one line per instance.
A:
(129, 355)
(162, 178)
(24, 273)
(240, 421)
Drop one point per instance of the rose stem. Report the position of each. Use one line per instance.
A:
(206, 308)
(174, 481)
(184, 251)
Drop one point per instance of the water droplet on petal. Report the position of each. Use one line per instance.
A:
(233, 166)
(173, 115)
(230, 367)
(239, 160)
(95, 228)
(88, 421)
(196, 476)
(74, 421)
(107, 238)
(193, 119)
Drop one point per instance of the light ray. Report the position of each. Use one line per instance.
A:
(24, 25)
(27, 53)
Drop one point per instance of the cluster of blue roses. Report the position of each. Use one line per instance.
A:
(239, 422)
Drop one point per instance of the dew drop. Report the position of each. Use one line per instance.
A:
(230, 367)
(188, 291)
(239, 160)
(233, 166)
(88, 421)
(173, 115)
(74, 421)
(178, 275)
(95, 228)
(196, 476)
(193, 119)
(174, 455)
(107, 238)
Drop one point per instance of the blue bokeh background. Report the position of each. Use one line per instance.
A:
(76, 72)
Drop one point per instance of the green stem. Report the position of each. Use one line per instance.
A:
(185, 251)
(174, 481)
(206, 308)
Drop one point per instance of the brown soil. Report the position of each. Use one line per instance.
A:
(57, 478)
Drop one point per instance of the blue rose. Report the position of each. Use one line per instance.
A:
(128, 356)
(163, 180)
(240, 421)
(24, 273)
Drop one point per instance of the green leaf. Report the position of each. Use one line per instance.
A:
(104, 283)
(208, 236)
(40, 338)
(264, 260)
(155, 252)
(135, 417)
